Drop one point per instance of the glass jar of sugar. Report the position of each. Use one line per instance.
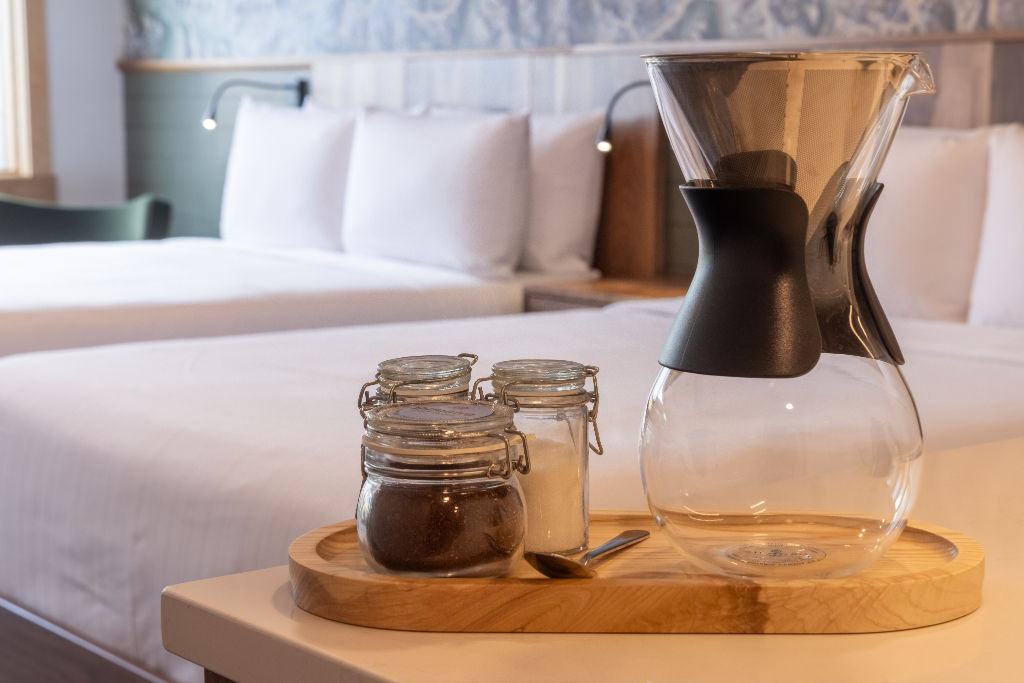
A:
(419, 378)
(440, 497)
(555, 410)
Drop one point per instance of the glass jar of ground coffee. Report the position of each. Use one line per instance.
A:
(440, 497)
(419, 378)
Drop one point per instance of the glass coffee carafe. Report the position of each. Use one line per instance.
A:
(780, 438)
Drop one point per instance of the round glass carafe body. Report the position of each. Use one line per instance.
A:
(440, 497)
(805, 477)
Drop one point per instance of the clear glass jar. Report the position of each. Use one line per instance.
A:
(552, 407)
(419, 378)
(440, 496)
(803, 477)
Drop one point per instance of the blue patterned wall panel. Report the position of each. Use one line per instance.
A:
(183, 29)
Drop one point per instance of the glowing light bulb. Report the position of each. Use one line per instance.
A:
(604, 146)
(209, 123)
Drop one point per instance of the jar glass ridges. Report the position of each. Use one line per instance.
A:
(440, 496)
(553, 407)
(419, 378)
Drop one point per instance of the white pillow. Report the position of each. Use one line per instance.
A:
(998, 296)
(566, 185)
(566, 181)
(444, 191)
(286, 176)
(922, 239)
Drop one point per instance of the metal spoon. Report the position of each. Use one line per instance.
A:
(562, 567)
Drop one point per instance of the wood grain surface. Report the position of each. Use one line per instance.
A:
(931, 575)
(630, 236)
(553, 296)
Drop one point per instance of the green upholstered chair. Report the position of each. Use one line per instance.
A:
(24, 221)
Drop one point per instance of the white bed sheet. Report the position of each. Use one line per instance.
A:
(128, 468)
(86, 294)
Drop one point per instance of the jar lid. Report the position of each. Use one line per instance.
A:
(539, 375)
(439, 419)
(423, 368)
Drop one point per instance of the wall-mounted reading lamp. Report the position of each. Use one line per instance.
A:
(301, 88)
(603, 139)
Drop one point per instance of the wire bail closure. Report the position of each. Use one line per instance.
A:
(364, 401)
(592, 371)
(522, 463)
(477, 387)
(503, 397)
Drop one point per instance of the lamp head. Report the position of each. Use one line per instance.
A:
(209, 122)
(604, 146)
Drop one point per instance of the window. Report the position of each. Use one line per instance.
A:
(24, 108)
(7, 100)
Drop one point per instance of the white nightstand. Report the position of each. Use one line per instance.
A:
(246, 627)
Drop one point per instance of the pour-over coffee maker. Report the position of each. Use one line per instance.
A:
(780, 438)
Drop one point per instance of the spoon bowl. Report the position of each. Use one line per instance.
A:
(558, 566)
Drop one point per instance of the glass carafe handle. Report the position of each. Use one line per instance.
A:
(863, 289)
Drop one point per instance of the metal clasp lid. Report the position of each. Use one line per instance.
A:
(395, 373)
(543, 383)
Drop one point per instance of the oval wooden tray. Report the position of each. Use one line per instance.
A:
(929, 576)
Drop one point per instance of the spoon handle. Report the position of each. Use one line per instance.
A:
(623, 540)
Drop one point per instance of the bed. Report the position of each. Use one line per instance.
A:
(373, 205)
(64, 295)
(181, 460)
(184, 459)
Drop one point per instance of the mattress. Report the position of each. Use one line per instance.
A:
(128, 468)
(73, 295)
(965, 379)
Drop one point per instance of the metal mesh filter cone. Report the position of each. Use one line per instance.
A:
(816, 123)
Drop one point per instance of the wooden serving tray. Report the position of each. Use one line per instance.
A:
(930, 575)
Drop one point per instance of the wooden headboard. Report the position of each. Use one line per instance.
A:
(645, 230)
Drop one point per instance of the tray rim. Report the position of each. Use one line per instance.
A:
(899, 598)
(968, 552)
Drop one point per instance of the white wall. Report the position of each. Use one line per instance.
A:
(84, 41)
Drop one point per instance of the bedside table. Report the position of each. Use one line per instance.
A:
(247, 628)
(560, 296)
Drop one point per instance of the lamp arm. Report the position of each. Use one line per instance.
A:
(602, 141)
(301, 87)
